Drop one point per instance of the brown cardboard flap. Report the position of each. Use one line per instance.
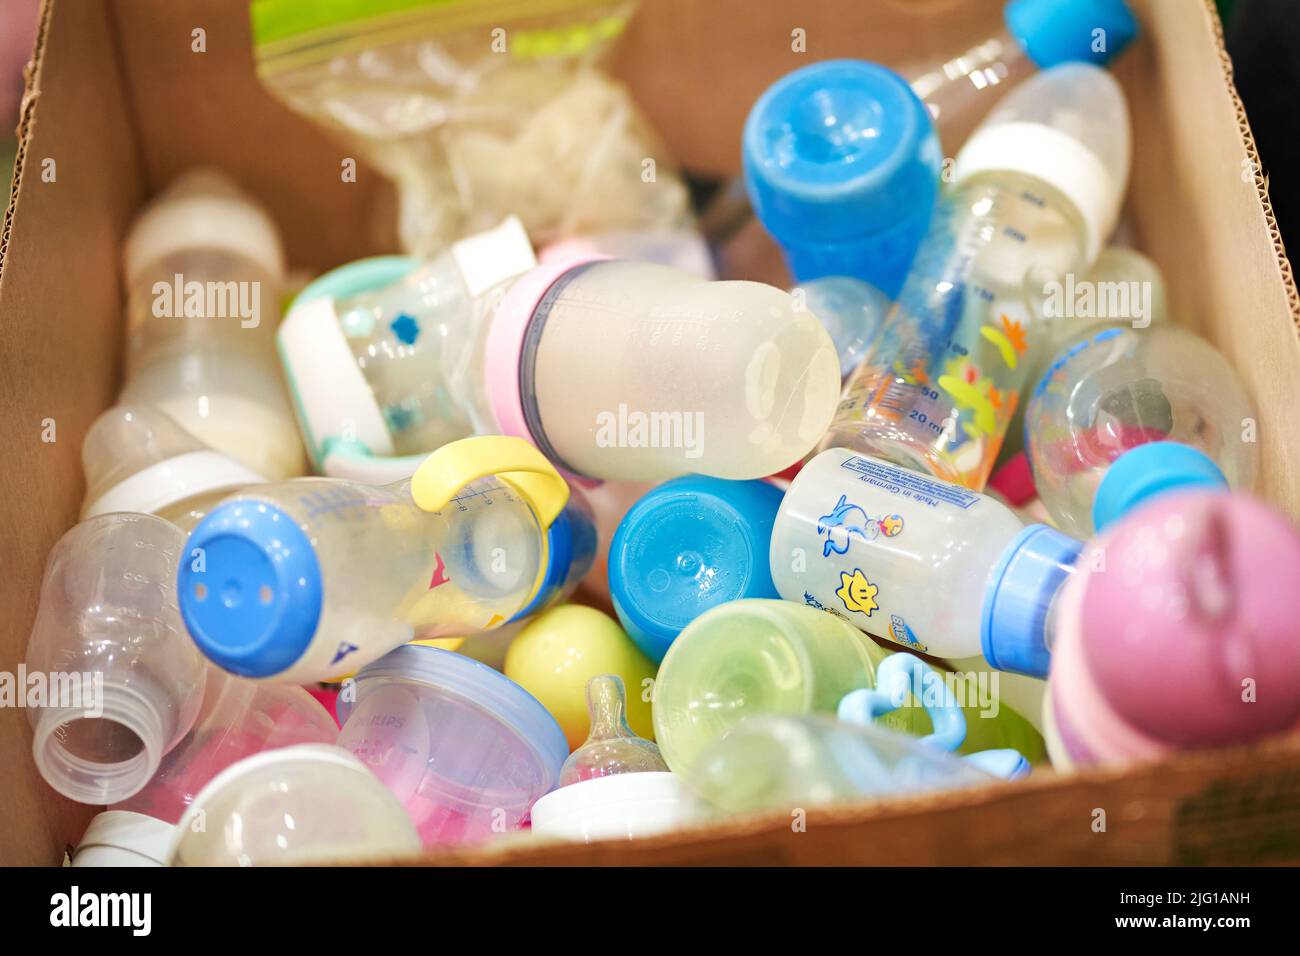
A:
(77, 185)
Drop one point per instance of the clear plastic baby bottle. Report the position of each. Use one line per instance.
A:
(239, 718)
(307, 804)
(1035, 34)
(1037, 190)
(842, 167)
(204, 267)
(310, 580)
(1121, 388)
(780, 760)
(138, 458)
(616, 785)
(1182, 633)
(929, 564)
(372, 350)
(852, 311)
(763, 656)
(678, 374)
(122, 682)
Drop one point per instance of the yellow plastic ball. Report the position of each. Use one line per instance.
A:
(564, 647)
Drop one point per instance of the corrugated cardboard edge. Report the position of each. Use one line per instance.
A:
(1252, 153)
(26, 110)
(1211, 807)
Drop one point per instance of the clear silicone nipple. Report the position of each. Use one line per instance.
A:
(611, 747)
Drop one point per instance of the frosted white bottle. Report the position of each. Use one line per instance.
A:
(204, 268)
(925, 563)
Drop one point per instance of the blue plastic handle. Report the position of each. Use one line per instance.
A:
(896, 677)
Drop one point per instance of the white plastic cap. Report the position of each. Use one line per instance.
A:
(138, 458)
(618, 807)
(203, 209)
(124, 838)
(1069, 127)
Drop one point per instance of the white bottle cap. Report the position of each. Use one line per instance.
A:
(617, 807)
(203, 209)
(124, 838)
(1068, 127)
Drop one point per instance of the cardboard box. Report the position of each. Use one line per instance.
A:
(118, 103)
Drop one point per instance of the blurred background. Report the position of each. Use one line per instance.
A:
(1260, 34)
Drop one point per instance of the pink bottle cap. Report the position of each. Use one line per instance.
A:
(1180, 630)
(505, 346)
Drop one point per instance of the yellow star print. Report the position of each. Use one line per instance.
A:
(857, 593)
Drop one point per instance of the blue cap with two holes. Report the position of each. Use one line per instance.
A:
(1071, 31)
(689, 545)
(249, 588)
(1150, 470)
(842, 167)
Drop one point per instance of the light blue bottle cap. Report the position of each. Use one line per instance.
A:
(1147, 471)
(1019, 595)
(363, 275)
(249, 588)
(1066, 31)
(842, 164)
(687, 546)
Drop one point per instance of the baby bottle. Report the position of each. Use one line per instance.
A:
(842, 167)
(762, 656)
(122, 681)
(311, 580)
(1037, 190)
(1181, 633)
(782, 760)
(1036, 34)
(204, 269)
(852, 311)
(616, 785)
(932, 565)
(689, 545)
(371, 351)
(1122, 388)
(464, 749)
(239, 718)
(311, 803)
(677, 375)
(137, 458)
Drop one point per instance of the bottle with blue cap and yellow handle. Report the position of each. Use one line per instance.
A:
(313, 579)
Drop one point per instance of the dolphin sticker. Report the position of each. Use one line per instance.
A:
(845, 521)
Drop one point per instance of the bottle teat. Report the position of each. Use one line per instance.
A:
(611, 747)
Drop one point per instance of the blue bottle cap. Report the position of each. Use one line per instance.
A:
(1146, 471)
(842, 164)
(1013, 630)
(1066, 31)
(249, 588)
(689, 545)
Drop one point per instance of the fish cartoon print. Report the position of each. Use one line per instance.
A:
(842, 524)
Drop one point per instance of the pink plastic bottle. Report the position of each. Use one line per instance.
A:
(1179, 630)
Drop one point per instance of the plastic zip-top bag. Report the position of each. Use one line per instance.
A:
(477, 109)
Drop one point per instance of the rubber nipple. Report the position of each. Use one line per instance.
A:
(611, 747)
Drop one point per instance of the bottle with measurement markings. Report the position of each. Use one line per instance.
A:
(1037, 191)
(614, 369)
(313, 579)
(932, 565)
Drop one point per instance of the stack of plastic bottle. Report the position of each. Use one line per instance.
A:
(597, 546)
